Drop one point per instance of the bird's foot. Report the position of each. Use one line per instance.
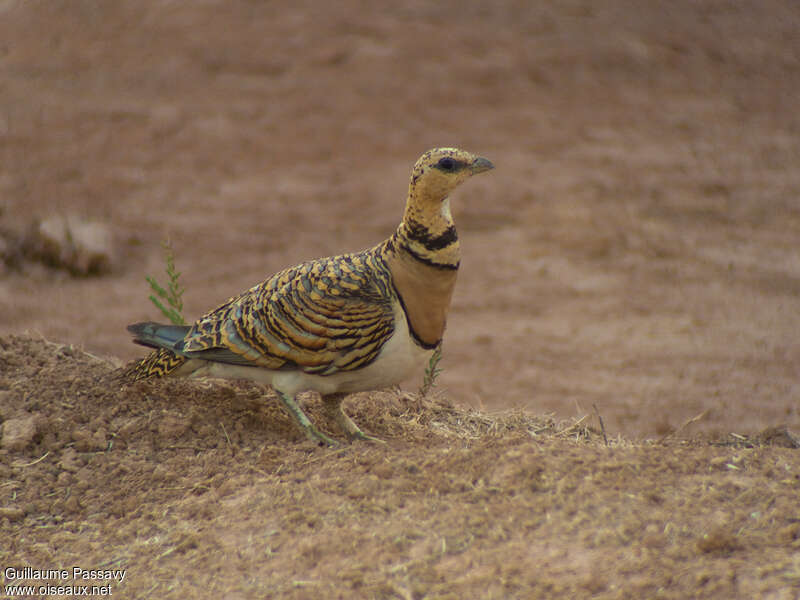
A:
(360, 435)
(312, 433)
(333, 404)
(319, 438)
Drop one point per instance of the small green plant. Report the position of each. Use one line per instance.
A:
(431, 372)
(173, 293)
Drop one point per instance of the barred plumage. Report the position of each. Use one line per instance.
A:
(334, 325)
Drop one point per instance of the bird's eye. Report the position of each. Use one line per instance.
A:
(447, 164)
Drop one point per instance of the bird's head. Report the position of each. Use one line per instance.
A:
(427, 231)
(440, 170)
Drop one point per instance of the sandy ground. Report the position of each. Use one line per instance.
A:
(636, 247)
(634, 256)
(200, 490)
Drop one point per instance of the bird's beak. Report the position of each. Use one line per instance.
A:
(480, 164)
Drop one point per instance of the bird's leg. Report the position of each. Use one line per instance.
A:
(314, 434)
(333, 406)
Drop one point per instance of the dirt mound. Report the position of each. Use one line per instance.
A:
(633, 256)
(206, 488)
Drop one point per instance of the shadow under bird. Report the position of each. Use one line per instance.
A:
(336, 325)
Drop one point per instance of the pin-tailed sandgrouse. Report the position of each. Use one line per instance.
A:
(336, 325)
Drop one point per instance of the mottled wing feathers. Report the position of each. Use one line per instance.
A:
(321, 316)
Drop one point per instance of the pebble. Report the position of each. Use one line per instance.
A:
(18, 433)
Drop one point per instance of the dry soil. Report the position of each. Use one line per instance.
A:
(634, 258)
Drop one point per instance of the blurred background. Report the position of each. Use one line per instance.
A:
(637, 248)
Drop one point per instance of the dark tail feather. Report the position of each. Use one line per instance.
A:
(155, 335)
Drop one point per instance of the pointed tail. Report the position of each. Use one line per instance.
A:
(156, 335)
(164, 360)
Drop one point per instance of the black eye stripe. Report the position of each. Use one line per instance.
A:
(448, 164)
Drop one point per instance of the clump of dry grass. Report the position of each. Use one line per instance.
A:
(779, 436)
(413, 416)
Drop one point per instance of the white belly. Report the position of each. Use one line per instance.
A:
(399, 358)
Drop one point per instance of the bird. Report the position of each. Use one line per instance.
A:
(337, 325)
